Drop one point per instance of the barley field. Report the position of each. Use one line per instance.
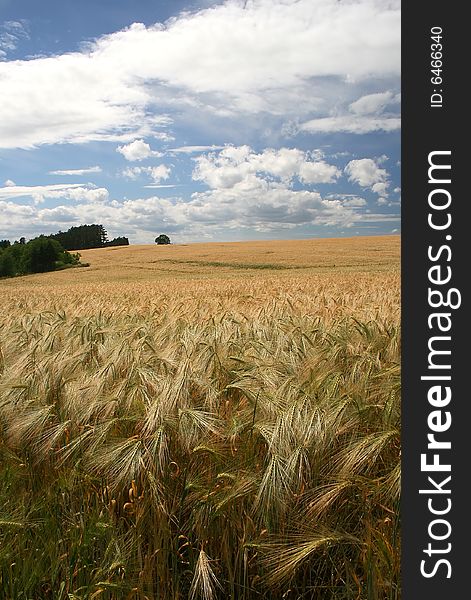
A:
(207, 421)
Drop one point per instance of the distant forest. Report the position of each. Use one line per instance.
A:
(87, 236)
(51, 252)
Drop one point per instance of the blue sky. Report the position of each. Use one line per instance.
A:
(205, 120)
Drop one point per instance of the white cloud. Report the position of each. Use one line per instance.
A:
(380, 188)
(194, 149)
(226, 169)
(132, 172)
(248, 191)
(85, 171)
(158, 173)
(252, 205)
(283, 163)
(161, 185)
(11, 34)
(83, 194)
(9, 183)
(163, 136)
(273, 56)
(384, 201)
(18, 191)
(137, 150)
(368, 174)
(318, 172)
(356, 202)
(70, 191)
(378, 218)
(216, 210)
(351, 124)
(266, 208)
(374, 103)
(240, 164)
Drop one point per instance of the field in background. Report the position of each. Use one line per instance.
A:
(229, 259)
(203, 421)
(329, 278)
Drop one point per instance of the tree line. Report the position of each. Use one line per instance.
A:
(52, 252)
(37, 256)
(85, 237)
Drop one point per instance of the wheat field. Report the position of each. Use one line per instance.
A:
(204, 421)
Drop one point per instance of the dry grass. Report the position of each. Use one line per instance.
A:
(227, 433)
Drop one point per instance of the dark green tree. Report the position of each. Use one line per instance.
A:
(37, 256)
(17, 252)
(82, 237)
(162, 239)
(7, 264)
(118, 241)
(41, 255)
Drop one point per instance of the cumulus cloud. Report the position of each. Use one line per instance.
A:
(85, 171)
(249, 190)
(260, 71)
(367, 173)
(271, 208)
(233, 209)
(348, 200)
(318, 172)
(235, 165)
(133, 172)
(380, 188)
(83, 194)
(263, 56)
(390, 203)
(356, 202)
(137, 150)
(158, 173)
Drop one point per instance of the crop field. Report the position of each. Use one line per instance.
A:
(209, 421)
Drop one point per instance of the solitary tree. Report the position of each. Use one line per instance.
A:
(162, 239)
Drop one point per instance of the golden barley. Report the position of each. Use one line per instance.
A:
(239, 402)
